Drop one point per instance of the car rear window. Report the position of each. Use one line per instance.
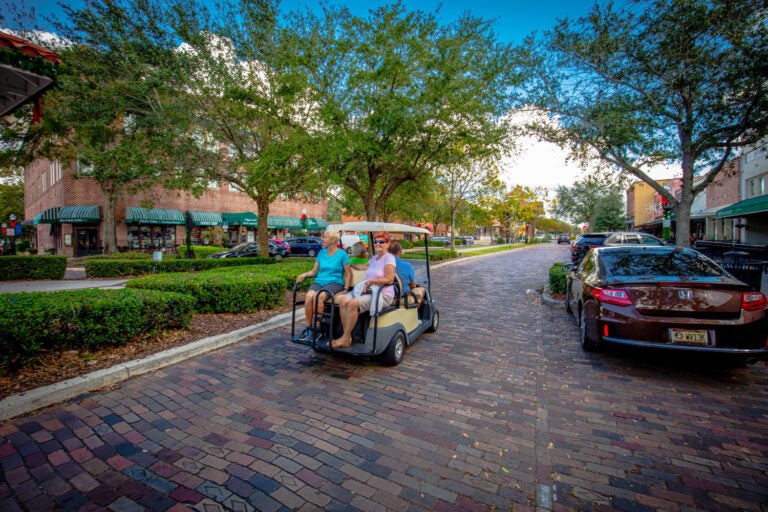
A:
(592, 239)
(658, 263)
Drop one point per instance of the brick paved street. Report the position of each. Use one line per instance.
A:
(498, 410)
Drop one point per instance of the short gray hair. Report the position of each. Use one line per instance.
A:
(358, 249)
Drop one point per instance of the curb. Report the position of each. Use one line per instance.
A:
(547, 298)
(34, 399)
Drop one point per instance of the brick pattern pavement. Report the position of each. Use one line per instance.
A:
(498, 410)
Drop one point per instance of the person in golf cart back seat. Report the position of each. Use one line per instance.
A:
(331, 272)
(380, 272)
(406, 273)
(359, 256)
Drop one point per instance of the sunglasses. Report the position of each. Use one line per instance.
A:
(379, 242)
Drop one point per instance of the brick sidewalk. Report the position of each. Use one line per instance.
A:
(498, 410)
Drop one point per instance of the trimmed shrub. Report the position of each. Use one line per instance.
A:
(284, 269)
(201, 251)
(221, 292)
(125, 268)
(45, 322)
(557, 275)
(32, 267)
(438, 255)
(120, 256)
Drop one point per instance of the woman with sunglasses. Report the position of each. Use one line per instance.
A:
(380, 272)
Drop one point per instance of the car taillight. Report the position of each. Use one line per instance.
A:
(753, 301)
(615, 296)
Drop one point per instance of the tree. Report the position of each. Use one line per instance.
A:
(243, 94)
(582, 201)
(518, 205)
(397, 93)
(609, 215)
(677, 82)
(109, 113)
(466, 182)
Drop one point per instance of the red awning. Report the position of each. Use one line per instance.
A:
(19, 86)
(16, 43)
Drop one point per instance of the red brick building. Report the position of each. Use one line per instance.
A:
(67, 212)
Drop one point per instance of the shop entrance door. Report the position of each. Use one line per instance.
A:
(87, 241)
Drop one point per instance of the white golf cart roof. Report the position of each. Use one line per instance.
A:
(373, 227)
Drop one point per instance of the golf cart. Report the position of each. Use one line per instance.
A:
(384, 334)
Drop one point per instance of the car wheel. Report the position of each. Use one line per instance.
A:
(435, 322)
(311, 253)
(587, 343)
(278, 257)
(395, 350)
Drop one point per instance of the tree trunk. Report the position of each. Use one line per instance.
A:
(262, 206)
(108, 234)
(453, 230)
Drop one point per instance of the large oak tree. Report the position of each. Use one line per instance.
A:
(657, 82)
(399, 95)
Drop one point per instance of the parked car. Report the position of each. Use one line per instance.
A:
(632, 238)
(251, 249)
(562, 238)
(445, 240)
(305, 245)
(584, 243)
(665, 297)
(282, 243)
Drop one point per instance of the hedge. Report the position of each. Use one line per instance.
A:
(286, 270)
(221, 292)
(557, 275)
(14, 268)
(44, 322)
(132, 267)
(438, 255)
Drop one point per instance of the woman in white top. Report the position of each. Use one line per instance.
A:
(380, 272)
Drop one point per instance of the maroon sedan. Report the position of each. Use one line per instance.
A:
(665, 298)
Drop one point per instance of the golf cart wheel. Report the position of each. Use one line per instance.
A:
(395, 350)
(435, 322)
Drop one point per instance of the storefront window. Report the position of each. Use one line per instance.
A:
(151, 237)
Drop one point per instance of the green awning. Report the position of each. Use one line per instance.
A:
(136, 215)
(80, 215)
(241, 219)
(316, 224)
(49, 216)
(205, 218)
(746, 207)
(278, 222)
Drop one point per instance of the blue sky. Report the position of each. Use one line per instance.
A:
(537, 164)
(514, 19)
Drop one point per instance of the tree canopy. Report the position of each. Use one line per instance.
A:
(243, 94)
(588, 197)
(111, 114)
(400, 96)
(656, 82)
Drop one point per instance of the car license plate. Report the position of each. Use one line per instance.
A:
(688, 336)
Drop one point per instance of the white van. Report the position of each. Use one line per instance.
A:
(347, 241)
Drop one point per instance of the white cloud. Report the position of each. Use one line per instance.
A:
(544, 164)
